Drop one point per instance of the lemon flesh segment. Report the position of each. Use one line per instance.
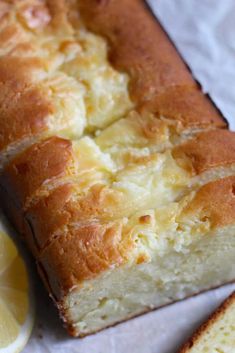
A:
(15, 309)
(17, 303)
(15, 275)
(9, 329)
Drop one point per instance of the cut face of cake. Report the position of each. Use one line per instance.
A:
(129, 266)
(217, 334)
(116, 169)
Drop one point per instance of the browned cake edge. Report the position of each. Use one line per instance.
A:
(209, 198)
(140, 46)
(160, 81)
(205, 327)
(56, 276)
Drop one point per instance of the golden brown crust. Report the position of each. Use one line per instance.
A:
(43, 163)
(48, 218)
(208, 150)
(49, 215)
(139, 46)
(39, 165)
(23, 108)
(15, 214)
(62, 13)
(203, 329)
(82, 252)
(186, 105)
(41, 222)
(215, 200)
(80, 226)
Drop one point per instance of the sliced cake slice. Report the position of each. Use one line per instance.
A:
(103, 272)
(217, 334)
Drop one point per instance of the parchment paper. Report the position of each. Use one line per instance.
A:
(204, 32)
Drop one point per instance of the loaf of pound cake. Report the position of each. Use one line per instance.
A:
(116, 169)
(217, 334)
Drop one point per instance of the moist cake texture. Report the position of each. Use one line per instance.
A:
(217, 334)
(116, 169)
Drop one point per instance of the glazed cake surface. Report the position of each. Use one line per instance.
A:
(116, 169)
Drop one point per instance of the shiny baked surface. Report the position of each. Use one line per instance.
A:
(111, 154)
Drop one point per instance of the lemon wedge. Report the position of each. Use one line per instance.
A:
(16, 314)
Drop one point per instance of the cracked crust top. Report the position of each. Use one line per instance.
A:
(137, 45)
(160, 81)
(208, 150)
(98, 245)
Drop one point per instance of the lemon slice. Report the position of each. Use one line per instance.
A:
(16, 314)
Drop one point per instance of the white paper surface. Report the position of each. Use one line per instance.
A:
(204, 32)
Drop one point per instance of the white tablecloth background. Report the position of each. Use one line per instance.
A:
(204, 32)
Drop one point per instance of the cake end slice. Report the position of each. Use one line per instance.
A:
(217, 334)
(102, 274)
